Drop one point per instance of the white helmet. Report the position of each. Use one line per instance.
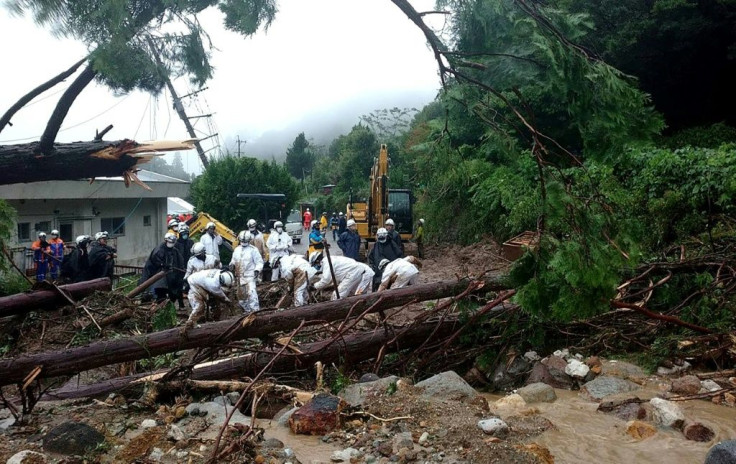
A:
(55, 232)
(226, 279)
(382, 265)
(251, 224)
(351, 222)
(82, 239)
(245, 236)
(313, 223)
(42, 235)
(341, 214)
(198, 249)
(315, 257)
(173, 223)
(382, 235)
(421, 221)
(390, 222)
(100, 235)
(278, 224)
(183, 227)
(170, 237)
(307, 209)
(210, 225)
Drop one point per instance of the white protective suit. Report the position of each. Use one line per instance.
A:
(195, 264)
(278, 245)
(297, 271)
(399, 273)
(366, 283)
(211, 244)
(245, 262)
(348, 274)
(201, 285)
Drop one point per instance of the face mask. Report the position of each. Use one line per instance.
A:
(169, 245)
(184, 235)
(382, 239)
(279, 229)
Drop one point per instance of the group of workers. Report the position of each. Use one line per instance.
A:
(90, 259)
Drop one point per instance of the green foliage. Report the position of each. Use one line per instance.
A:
(165, 318)
(299, 157)
(339, 382)
(158, 362)
(7, 222)
(389, 123)
(704, 136)
(11, 282)
(215, 191)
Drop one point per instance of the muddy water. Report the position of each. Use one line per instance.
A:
(583, 435)
(307, 449)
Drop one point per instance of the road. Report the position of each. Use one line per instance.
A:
(301, 248)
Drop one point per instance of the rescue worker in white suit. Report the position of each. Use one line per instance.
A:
(278, 245)
(202, 285)
(247, 265)
(399, 273)
(199, 261)
(211, 240)
(366, 283)
(298, 273)
(348, 273)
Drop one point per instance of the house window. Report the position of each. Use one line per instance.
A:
(24, 231)
(147, 220)
(65, 232)
(43, 226)
(114, 226)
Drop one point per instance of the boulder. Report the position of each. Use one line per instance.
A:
(447, 386)
(696, 431)
(640, 430)
(510, 373)
(630, 411)
(576, 369)
(723, 452)
(356, 394)
(687, 385)
(345, 455)
(72, 439)
(494, 426)
(532, 356)
(175, 434)
(624, 370)
(28, 457)
(666, 413)
(674, 369)
(707, 386)
(606, 385)
(369, 377)
(624, 406)
(510, 404)
(148, 423)
(537, 393)
(318, 416)
(216, 413)
(595, 364)
(556, 368)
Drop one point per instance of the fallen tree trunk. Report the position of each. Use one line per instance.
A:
(50, 299)
(74, 360)
(23, 163)
(351, 349)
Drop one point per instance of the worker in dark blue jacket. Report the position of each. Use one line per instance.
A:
(349, 241)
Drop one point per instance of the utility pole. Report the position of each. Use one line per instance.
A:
(239, 142)
(178, 106)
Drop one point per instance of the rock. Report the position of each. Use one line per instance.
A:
(216, 413)
(423, 439)
(730, 399)
(687, 385)
(272, 443)
(447, 386)
(357, 393)
(181, 454)
(537, 393)
(624, 370)
(674, 369)
(723, 452)
(494, 426)
(564, 353)
(529, 425)
(221, 400)
(707, 386)
(576, 369)
(385, 448)
(148, 423)
(510, 373)
(556, 370)
(403, 440)
(72, 439)
(595, 364)
(318, 416)
(605, 385)
(283, 419)
(175, 433)
(666, 413)
(233, 397)
(369, 377)
(532, 356)
(510, 403)
(7, 423)
(156, 454)
(344, 455)
(696, 431)
(640, 430)
(28, 457)
(630, 411)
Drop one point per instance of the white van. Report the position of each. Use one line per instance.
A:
(293, 226)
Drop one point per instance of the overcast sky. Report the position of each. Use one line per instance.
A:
(330, 60)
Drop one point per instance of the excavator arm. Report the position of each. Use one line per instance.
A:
(198, 223)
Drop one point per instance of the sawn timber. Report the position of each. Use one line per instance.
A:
(51, 299)
(78, 359)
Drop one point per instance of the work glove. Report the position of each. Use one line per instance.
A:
(44, 244)
(256, 274)
(312, 288)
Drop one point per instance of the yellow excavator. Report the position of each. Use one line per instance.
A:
(198, 224)
(383, 203)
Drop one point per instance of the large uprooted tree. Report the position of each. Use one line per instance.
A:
(128, 50)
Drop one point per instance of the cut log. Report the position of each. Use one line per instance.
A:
(78, 359)
(50, 299)
(351, 349)
(80, 160)
(150, 281)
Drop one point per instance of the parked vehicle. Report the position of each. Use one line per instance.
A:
(293, 226)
